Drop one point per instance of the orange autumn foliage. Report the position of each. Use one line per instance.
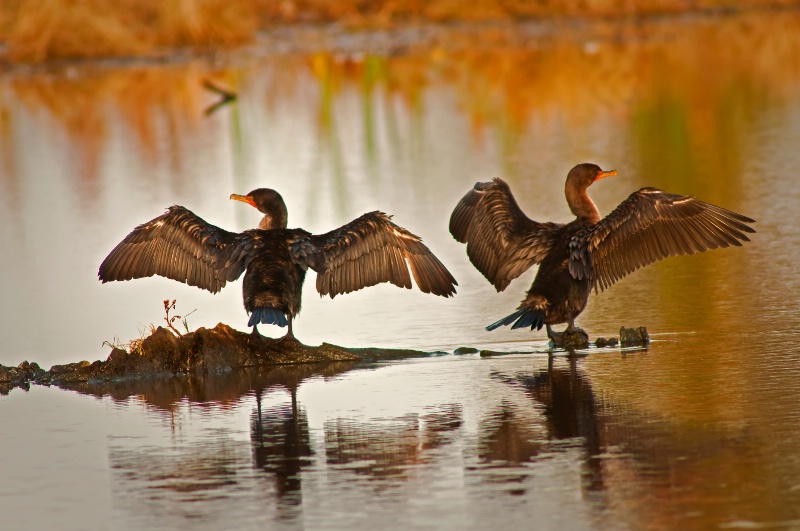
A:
(34, 31)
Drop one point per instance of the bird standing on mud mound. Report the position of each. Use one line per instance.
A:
(589, 252)
(367, 251)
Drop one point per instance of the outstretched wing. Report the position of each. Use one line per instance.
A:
(370, 250)
(502, 242)
(648, 226)
(180, 245)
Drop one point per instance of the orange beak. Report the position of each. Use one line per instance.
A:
(244, 199)
(600, 174)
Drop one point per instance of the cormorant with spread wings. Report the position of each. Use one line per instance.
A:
(587, 253)
(367, 251)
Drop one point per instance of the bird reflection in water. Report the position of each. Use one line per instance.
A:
(280, 435)
(571, 411)
(513, 436)
(282, 446)
(381, 449)
(209, 466)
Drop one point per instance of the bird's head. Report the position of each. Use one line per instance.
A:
(268, 202)
(578, 180)
(583, 175)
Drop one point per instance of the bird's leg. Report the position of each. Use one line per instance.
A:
(289, 334)
(556, 337)
(255, 331)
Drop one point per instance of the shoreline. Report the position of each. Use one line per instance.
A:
(224, 350)
(337, 37)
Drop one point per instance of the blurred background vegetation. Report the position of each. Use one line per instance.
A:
(35, 31)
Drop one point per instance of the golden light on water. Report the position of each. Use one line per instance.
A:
(706, 106)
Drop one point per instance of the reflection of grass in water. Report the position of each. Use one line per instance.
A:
(372, 71)
(239, 147)
(331, 150)
(500, 83)
(159, 105)
(662, 135)
(8, 160)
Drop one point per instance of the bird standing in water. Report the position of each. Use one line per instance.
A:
(367, 251)
(588, 253)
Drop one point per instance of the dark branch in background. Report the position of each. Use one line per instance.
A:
(227, 95)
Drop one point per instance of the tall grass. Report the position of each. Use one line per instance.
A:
(40, 30)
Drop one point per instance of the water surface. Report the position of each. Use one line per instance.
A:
(699, 431)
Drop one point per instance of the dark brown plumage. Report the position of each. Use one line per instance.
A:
(367, 251)
(587, 253)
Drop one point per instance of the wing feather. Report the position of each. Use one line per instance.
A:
(368, 251)
(182, 246)
(502, 242)
(649, 226)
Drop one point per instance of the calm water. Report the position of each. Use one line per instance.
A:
(699, 431)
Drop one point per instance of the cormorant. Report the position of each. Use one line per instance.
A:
(367, 251)
(587, 253)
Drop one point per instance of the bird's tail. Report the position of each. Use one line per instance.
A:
(267, 316)
(524, 318)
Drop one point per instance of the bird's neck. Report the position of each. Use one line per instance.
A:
(270, 221)
(581, 204)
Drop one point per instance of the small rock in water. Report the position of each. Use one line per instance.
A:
(19, 376)
(634, 336)
(601, 342)
(575, 340)
(465, 350)
(23, 372)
